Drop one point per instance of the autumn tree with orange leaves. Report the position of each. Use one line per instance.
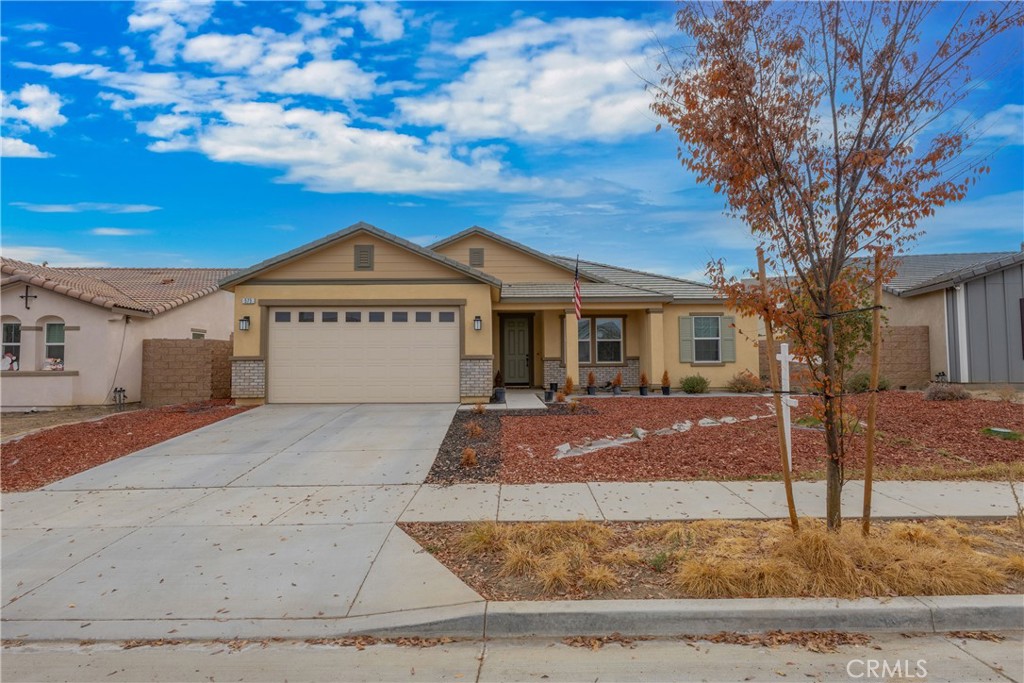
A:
(820, 125)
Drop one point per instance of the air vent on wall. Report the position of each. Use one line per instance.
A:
(476, 257)
(364, 257)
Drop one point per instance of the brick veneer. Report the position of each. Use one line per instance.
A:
(184, 370)
(904, 360)
(603, 374)
(248, 378)
(476, 377)
(554, 371)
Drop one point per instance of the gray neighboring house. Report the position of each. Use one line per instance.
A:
(973, 305)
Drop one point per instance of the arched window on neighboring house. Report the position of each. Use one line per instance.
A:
(53, 343)
(11, 343)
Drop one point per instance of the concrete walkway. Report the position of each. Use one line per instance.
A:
(515, 399)
(280, 522)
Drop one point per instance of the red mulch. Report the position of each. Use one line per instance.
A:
(912, 432)
(47, 456)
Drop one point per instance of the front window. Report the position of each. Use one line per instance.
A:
(707, 339)
(609, 340)
(12, 346)
(584, 339)
(54, 351)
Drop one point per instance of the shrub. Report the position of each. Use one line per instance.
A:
(479, 409)
(861, 382)
(696, 384)
(569, 385)
(643, 379)
(666, 381)
(744, 382)
(945, 391)
(617, 382)
(499, 380)
(591, 379)
(599, 578)
(574, 406)
(559, 397)
(469, 457)
(474, 430)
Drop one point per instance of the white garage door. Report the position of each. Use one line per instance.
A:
(363, 355)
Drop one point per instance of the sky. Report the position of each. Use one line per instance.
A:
(217, 135)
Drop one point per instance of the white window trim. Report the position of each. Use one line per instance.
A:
(18, 345)
(718, 339)
(63, 345)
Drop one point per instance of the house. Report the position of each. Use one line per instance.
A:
(71, 335)
(972, 305)
(364, 315)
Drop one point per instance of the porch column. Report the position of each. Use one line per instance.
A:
(571, 353)
(652, 349)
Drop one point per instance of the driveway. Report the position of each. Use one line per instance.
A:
(279, 521)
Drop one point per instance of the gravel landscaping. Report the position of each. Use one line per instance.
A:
(44, 457)
(917, 439)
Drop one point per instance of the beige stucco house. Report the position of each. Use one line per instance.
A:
(364, 315)
(71, 335)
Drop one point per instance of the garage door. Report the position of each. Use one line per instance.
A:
(358, 355)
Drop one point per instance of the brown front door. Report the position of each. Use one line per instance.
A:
(516, 350)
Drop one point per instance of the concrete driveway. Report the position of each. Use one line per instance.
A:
(277, 522)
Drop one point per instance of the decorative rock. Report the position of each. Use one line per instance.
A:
(728, 420)
(665, 432)
(708, 422)
(639, 433)
(563, 448)
(682, 426)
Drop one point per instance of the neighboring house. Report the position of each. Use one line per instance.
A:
(76, 333)
(364, 315)
(972, 305)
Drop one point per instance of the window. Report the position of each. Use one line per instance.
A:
(307, 317)
(353, 316)
(423, 316)
(54, 351)
(399, 317)
(609, 340)
(199, 334)
(282, 316)
(446, 317)
(12, 346)
(707, 339)
(364, 257)
(476, 257)
(376, 316)
(583, 327)
(329, 317)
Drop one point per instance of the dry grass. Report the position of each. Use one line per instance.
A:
(474, 430)
(479, 408)
(569, 385)
(728, 558)
(574, 406)
(469, 457)
(559, 397)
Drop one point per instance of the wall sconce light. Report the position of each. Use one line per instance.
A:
(478, 324)
(243, 323)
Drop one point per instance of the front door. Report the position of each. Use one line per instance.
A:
(516, 356)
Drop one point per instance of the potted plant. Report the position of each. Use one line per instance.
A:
(591, 384)
(499, 388)
(643, 383)
(617, 384)
(666, 384)
(569, 386)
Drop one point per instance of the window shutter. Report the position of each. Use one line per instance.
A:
(685, 339)
(364, 257)
(476, 257)
(728, 339)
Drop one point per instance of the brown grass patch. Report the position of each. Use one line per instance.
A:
(469, 457)
(474, 430)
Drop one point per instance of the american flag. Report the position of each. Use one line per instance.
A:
(577, 299)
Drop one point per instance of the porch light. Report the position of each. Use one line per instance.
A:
(243, 323)
(478, 324)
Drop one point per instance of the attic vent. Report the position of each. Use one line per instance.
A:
(476, 257)
(364, 257)
(167, 281)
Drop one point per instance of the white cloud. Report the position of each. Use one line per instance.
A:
(1005, 125)
(12, 147)
(79, 207)
(117, 232)
(339, 80)
(167, 22)
(569, 79)
(40, 107)
(955, 227)
(34, 27)
(383, 21)
(223, 51)
(53, 256)
(73, 48)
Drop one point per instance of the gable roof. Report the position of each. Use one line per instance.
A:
(477, 230)
(248, 273)
(917, 274)
(675, 288)
(147, 291)
(589, 291)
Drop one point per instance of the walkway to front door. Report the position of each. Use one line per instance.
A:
(516, 350)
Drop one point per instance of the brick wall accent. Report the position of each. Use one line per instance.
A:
(554, 371)
(248, 379)
(904, 360)
(476, 377)
(183, 370)
(604, 374)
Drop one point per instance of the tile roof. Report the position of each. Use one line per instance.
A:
(676, 288)
(589, 291)
(916, 271)
(146, 290)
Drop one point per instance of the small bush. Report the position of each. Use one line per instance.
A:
(479, 409)
(696, 384)
(591, 379)
(474, 430)
(559, 397)
(861, 382)
(666, 381)
(643, 379)
(499, 379)
(617, 382)
(469, 457)
(599, 578)
(945, 391)
(744, 382)
(574, 406)
(569, 386)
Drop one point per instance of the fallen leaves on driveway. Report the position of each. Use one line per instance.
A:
(45, 457)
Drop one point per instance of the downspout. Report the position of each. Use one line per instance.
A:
(945, 334)
(961, 332)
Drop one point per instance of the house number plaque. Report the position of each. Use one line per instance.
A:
(248, 300)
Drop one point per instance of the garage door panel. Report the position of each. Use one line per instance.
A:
(361, 361)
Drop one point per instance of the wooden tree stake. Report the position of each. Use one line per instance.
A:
(876, 343)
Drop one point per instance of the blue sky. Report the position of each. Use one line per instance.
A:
(193, 134)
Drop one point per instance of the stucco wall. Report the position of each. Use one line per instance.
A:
(717, 373)
(927, 310)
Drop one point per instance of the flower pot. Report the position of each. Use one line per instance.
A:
(591, 391)
(549, 396)
(499, 394)
(616, 391)
(665, 391)
(643, 391)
